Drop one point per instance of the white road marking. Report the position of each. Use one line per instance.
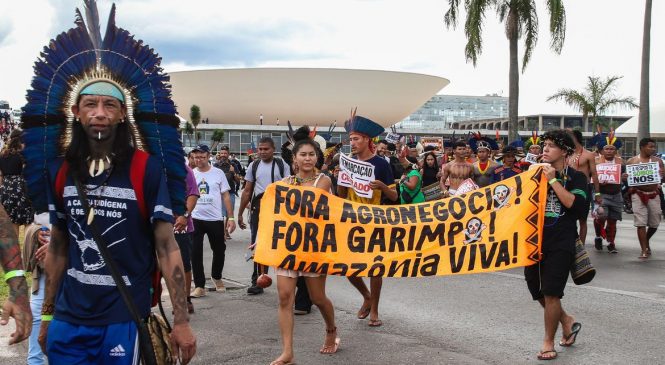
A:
(640, 295)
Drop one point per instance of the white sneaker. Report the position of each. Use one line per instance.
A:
(219, 285)
(198, 293)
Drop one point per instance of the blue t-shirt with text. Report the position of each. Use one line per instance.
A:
(88, 294)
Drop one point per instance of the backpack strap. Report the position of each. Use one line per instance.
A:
(137, 176)
(60, 180)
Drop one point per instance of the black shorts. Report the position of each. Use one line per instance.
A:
(184, 241)
(549, 276)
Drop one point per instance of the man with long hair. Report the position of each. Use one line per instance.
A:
(104, 158)
(101, 133)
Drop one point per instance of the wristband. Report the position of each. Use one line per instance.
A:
(231, 218)
(13, 274)
(552, 181)
(47, 317)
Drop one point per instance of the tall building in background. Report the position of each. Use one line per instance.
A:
(441, 111)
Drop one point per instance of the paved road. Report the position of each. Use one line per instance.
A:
(470, 319)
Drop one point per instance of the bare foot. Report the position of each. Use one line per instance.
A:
(331, 342)
(364, 309)
(283, 359)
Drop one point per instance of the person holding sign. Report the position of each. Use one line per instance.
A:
(454, 173)
(646, 207)
(304, 158)
(361, 131)
(566, 202)
(609, 169)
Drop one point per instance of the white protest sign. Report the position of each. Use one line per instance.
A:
(393, 138)
(643, 174)
(531, 158)
(357, 175)
(466, 186)
(609, 173)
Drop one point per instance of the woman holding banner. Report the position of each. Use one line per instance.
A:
(305, 156)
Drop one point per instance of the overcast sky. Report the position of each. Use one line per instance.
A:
(603, 38)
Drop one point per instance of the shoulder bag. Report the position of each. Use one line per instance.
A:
(154, 332)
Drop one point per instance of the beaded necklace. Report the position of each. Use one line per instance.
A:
(295, 180)
(101, 187)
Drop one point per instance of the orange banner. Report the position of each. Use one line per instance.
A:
(497, 227)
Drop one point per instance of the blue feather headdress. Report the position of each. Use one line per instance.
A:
(79, 57)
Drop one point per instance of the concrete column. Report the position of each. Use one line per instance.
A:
(540, 123)
(561, 123)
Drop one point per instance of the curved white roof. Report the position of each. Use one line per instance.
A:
(302, 95)
(656, 121)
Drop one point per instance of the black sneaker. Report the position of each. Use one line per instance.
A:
(612, 248)
(598, 242)
(253, 290)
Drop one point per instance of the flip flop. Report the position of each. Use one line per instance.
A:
(333, 348)
(375, 323)
(362, 314)
(575, 330)
(543, 355)
(643, 256)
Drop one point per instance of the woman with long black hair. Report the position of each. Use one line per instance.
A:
(12, 187)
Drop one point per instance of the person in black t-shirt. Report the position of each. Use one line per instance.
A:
(566, 202)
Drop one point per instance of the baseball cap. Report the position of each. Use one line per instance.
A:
(202, 148)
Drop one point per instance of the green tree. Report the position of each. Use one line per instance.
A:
(521, 22)
(643, 130)
(597, 97)
(189, 131)
(217, 137)
(195, 118)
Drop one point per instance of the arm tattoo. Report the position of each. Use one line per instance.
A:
(10, 258)
(10, 252)
(178, 296)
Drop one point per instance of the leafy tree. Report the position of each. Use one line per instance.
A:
(195, 118)
(217, 137)
(189, 131)
(643, 118)
(597, 97)
(521, 22)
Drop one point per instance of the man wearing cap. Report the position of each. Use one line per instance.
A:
(508, 169)
(605, 224)
(361, 131)
(208, 220)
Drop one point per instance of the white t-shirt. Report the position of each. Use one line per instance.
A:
(212, 184)
(264, 173)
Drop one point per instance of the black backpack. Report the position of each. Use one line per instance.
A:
(275, 161)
